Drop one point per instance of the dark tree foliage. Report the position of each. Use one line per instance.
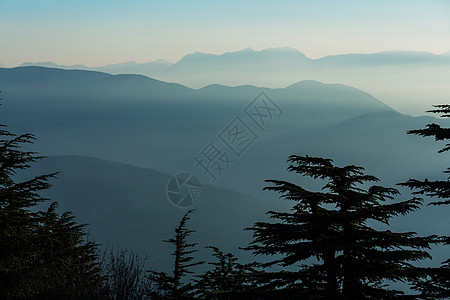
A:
(18, 224)
(172, 286)
(439, 189)
(67, 264)
(437, 285)
(228, 279)
(42, 255)
(326, 243)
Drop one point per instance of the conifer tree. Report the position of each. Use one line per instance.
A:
(437, 284)
(326, 243)
(42, 254)
(18, 221)
(228, 279)
(172, 286)
(439, 189)
(67, 261)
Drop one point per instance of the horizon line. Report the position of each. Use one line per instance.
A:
(223, 53)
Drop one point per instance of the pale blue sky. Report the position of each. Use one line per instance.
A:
(108, 31)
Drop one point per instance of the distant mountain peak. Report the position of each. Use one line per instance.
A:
(305, 82)
(248, 49)
(238, 58)
(197, 54)
(163, 61)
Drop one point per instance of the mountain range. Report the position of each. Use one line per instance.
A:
(409, 81)
(142, 121)
(130, 67)
(118, 138)
(264, 59)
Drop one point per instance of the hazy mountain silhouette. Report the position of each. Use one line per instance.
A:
(284, 61)
(247, 58)
(407, 80)
(157, 125)
(49, 64)
(130, 67)
(265, 59)
(289, 58)
(160, 125)
(384, 58)
(127, 206)
(146, 122)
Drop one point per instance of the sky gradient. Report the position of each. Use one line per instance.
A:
(100, 32)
